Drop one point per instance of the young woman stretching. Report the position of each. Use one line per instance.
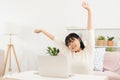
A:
(81, 55)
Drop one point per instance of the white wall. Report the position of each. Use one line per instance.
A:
(23, 16)
(106, 13)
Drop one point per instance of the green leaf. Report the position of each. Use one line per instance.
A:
(52, 51)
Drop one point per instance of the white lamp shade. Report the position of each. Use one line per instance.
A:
(10, 28)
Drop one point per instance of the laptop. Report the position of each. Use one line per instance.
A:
(54, 66)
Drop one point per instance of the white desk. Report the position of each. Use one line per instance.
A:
(32, 75)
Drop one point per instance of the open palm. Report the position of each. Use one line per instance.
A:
(85, 5)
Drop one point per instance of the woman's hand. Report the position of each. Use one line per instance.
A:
(38, 30)
(85, 5)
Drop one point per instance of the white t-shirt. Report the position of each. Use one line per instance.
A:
(81, 62)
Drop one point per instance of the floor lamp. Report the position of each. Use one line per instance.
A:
(8, 54)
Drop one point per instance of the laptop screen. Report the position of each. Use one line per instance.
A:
(55, 66)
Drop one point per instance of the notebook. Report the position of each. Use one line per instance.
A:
(54, 66)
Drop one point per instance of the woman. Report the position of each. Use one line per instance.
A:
(81, 55)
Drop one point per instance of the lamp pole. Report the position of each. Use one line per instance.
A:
(9, 49)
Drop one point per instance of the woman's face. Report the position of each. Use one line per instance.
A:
(74, 45)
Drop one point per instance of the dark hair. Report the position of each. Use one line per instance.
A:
(71, 37)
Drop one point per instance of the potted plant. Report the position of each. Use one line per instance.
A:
(101, 40)
(110, 41)
(52, 51)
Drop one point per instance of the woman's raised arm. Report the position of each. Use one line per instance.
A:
(52, 37)
(89, 23)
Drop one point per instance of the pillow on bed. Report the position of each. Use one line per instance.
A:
(112, 61)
